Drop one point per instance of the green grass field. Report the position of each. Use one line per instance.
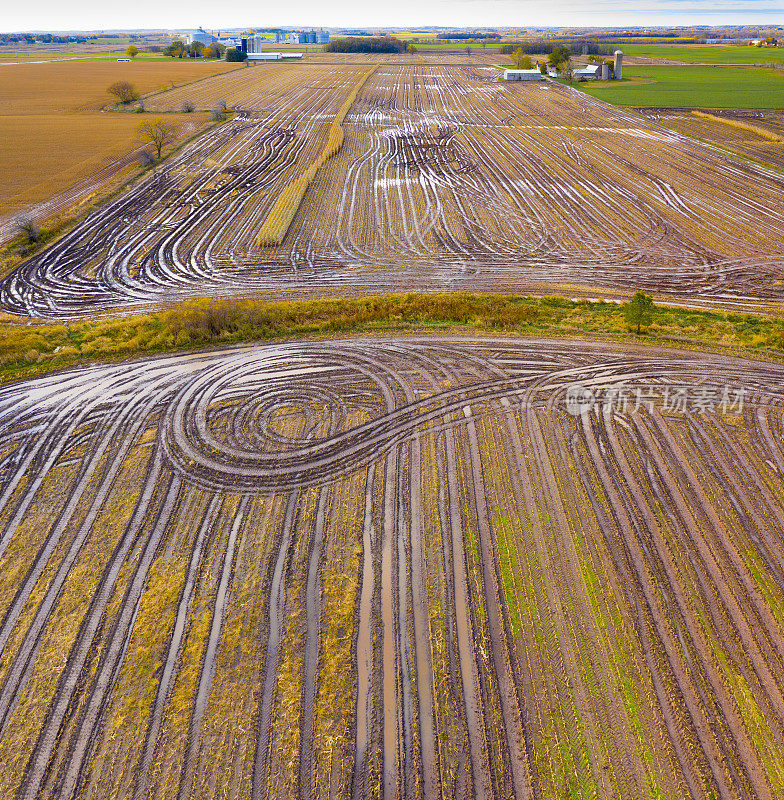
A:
(693, 87)
(707, 54)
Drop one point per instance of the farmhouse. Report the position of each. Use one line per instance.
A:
(523, 75)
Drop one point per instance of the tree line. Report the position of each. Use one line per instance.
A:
(178, 49)
(582, 46)
(375, 44)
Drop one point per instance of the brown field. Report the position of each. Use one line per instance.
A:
(55, 146)
(394, 567)
(74, 86)
(729, 134)
(49, 154)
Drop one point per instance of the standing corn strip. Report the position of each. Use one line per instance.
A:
(745, 126)
(275, 227)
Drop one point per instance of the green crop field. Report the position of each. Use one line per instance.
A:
(706, 54)
(693, 87)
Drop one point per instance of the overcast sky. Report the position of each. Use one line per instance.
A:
(177, 14)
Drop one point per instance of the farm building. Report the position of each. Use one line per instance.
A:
(202, 36)
(272, 56)
(523, 75)
(591, 72)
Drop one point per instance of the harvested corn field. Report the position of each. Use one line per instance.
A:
(445, 179)
(394, 568)
(759, 134)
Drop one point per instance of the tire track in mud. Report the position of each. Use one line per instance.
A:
(313, 619)
(269, 674)
(17, 678)
(660, 625)
(495, 606)
(431, 777)
(35, 772)
(209, 662)
(472, 697)
(364, 656)
(174, 651)
(390, 686)
(739, 740)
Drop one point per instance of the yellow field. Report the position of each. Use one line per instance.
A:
(51, 153)
(80, 86)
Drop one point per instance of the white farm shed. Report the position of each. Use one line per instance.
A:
(522, 75)
(272, 56)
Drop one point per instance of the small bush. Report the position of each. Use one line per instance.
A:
(25, 225)
(124, 91)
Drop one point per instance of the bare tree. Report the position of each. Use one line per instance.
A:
(124, 92)
(25, 225)
(146, 158)
(158, 133)
(187, 106)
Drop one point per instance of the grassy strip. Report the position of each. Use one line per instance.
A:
(27, 350)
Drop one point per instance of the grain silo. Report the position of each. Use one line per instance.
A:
(618, 65)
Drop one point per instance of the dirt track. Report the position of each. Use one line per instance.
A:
(394, 567)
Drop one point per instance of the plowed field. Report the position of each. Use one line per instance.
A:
(394, 568)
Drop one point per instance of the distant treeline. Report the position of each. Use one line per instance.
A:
(647, 39)
(48, 38)
(583, 46)
(377, 44)
(450, 36)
